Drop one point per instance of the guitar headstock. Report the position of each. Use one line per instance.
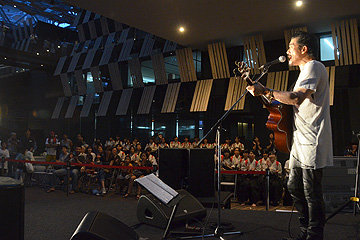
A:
(243, 71)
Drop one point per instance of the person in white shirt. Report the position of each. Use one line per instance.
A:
(196, 144)
(175, 143)
(275, 179)
(206, 144)
(311, 148)
(237, 144)
(236, 159)
(163, 143)
(186, 144)
(152, 145)
(51, 143)
(4, 153)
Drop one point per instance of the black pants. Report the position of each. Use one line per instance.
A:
(305, 187)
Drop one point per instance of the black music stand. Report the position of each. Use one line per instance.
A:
(164, 193)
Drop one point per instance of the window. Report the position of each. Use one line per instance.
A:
(327, 48)
(147, 72)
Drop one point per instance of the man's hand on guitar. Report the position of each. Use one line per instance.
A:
(257, 89)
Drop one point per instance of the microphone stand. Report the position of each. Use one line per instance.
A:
(218, 233)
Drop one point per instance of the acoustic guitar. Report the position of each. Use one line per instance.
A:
(280, 119)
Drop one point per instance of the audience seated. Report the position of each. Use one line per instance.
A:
(250, 187)
(352, 150)
(66, 142)
(236, 159)
(175, 143)
(257, 147)
(186, 144)
(61, 172)
(163, 143)
(237, 144)
(206, 144)
(226, 145)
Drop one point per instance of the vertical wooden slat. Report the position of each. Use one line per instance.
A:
(212, 64)
(174, 101)
(341, 45)
(261, 50)
(168, 93)
(357, 44)
(226, 62)
(229, 94)
(332, 85)
(333, 34)
(219, 60)
(194, 100)
(254, 53)
(235, 96)
(353, 47)
(348, 41)
(242, 101)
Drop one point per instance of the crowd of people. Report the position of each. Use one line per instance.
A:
(251, 188)
(126, 152)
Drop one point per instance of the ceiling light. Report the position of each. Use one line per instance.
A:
(14, 6)
(37, 53)
(59, 46)
(181, 29)
(299, 3)
(5, 58)
(48, 50)
(42, 65)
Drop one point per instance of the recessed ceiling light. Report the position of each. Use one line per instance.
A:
(5, 58)
(42, 65)
(37, 53)
(181, 29)
(299, 3)
(14, 6)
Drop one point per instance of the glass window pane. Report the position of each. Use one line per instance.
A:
(326, 48)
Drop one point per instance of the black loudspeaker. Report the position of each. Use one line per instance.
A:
(201, 172)
(153, 212)
(173, 166)
(100, 226)
(192, 169)
(12, 195)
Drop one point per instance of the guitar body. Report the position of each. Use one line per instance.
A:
(280, 121)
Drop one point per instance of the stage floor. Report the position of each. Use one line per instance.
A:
(55, 216)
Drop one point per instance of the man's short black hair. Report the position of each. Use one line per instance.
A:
(309, 40)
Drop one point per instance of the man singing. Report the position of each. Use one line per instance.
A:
(312, 141)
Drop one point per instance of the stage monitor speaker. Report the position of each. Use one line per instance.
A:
(153, 212)
(201, 172)
(173, 166)
(100, 226)
(12, 195)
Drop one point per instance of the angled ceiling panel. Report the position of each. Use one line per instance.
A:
(124, 102)
(89, 99)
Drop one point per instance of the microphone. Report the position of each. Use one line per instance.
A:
(281, 59)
